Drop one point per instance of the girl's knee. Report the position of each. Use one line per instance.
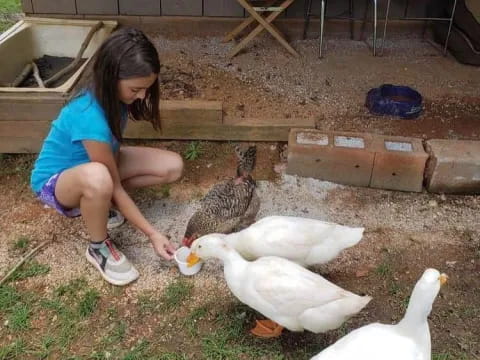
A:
(175, 170)
(97, 180)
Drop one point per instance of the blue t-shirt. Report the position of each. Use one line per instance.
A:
(81, 119)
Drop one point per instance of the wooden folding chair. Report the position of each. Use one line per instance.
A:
(265, 23)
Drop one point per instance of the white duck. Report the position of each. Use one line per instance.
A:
(281, 290)
(407, 340)
(302, 240)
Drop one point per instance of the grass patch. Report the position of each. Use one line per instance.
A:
(13, 351)
(171, 356)
(7, 9)
(394, 288)
(165, 190)
(193, 151)
(10, 6)
(176, 293)
(191, 321)
(8, 297)
(88, 303)
(384, 270)
(21, 243)
(139, 351)
(117, 334)
(70, 304)
(17, 164)
(147, 303)
(230, 342)
(449, 356)
(72, 288)
(30, 269)
(19, 318)
(45, 347)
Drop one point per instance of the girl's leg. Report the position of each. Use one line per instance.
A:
(143, 166)
(90, 187)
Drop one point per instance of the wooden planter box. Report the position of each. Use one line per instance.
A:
(26, 113)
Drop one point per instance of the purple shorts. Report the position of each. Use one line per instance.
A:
(47, 196)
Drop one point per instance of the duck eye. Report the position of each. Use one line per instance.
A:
(199, 246)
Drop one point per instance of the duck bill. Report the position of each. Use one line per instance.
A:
(443, 279)
(192, 259)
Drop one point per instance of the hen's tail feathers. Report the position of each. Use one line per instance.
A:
(246, 159)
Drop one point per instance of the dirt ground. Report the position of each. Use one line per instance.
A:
(405, 232)
(265, 82)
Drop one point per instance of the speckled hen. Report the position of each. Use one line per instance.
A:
(229, 206)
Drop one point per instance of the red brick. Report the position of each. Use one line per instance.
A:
(399, 163)
(453, 166)
(324, 160)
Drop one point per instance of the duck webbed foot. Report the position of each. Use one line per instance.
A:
(267, 329)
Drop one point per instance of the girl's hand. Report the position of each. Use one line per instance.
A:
(162, 245)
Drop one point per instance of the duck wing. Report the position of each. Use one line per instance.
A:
(290, 289)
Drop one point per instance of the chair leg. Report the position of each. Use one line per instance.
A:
(405, 11)
(374, 27)
(350, 14)
(322, 21)
(362, 30)
(449, 28)
(385, 27)
(307, 14)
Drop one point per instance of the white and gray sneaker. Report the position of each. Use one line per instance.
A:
(115, 219)
(111, 262)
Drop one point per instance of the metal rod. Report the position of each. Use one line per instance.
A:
(449, 28)
(307, 18)
(322, 20)
(374, 27)
(385, 27)
(362, 30)
(420, 18)
(406, 8)
(351, 19)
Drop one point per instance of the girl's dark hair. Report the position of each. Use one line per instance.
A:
(126, 54)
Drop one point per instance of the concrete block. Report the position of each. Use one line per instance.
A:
(95, 7)
(54, 7)
(453, 166)
(182, 7)
(341, 157)
(399, 163)
(139, 7)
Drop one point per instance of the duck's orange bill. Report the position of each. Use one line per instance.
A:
(192, 259)
(443, 279)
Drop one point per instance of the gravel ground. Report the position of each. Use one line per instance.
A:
(334, 86)
(424, 216)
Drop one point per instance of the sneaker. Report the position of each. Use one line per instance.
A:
(112, 264)
(115, 219)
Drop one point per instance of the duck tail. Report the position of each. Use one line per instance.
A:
(246, 160)
(350, 236)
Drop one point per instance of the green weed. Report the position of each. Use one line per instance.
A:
(193, 151)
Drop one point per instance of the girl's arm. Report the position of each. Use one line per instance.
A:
(102, 153)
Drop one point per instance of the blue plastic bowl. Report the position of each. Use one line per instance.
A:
(394, 100)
